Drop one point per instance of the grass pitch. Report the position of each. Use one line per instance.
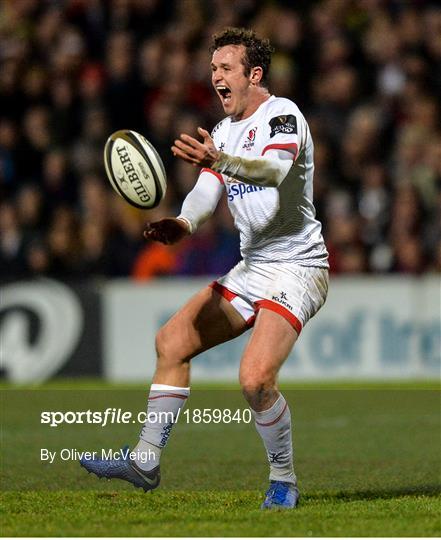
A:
(367, 461)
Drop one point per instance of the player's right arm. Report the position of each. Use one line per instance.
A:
(264, 171)
(197, 207)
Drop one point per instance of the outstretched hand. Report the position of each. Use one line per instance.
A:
(202, 154)
(167, 230)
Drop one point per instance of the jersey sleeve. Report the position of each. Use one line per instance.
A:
(285, 128)
(202, 200)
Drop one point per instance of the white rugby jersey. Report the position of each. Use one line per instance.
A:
(275, 223)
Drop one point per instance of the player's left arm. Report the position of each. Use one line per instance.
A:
(268, 170)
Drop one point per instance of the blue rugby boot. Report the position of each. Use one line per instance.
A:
(124, 469)
(281, 495)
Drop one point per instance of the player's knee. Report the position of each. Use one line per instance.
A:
(167, 349)
(256, 385)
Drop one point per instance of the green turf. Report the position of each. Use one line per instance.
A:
(367, 459)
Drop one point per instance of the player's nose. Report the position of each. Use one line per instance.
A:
(216, 79)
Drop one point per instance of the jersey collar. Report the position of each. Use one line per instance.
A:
(255, 113)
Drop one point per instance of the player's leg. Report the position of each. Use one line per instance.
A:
(270, 344)
(271, 341)
(208, 319)
(291, 296)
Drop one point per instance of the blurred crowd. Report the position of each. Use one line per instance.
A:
(365, 73)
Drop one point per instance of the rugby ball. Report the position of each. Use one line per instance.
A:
(135, 169)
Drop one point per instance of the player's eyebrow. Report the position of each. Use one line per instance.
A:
(220, 65)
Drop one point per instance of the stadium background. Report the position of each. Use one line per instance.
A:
(366, 74)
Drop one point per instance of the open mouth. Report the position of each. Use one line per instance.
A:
(224, 93)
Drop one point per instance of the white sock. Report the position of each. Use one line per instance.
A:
(274, 426)
(163, 408)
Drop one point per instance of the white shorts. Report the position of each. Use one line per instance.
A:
(295, 292)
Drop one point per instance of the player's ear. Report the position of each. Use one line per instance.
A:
(256, 75)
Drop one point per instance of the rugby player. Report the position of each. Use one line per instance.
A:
(261, 155)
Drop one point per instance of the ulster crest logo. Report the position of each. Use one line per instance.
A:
(249, 143)
(252, 134)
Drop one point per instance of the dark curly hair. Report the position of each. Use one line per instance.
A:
(257, 51)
